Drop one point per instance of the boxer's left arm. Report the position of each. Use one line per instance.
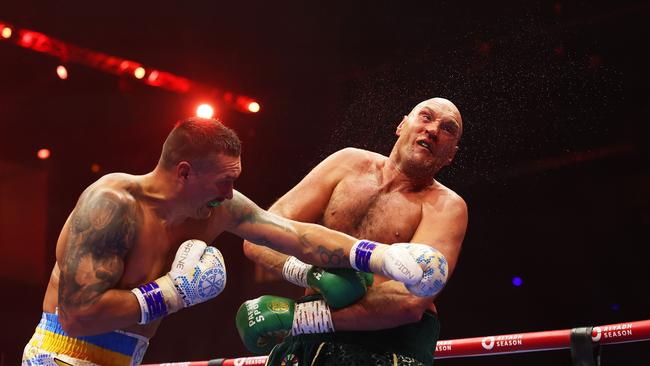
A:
(306, 202)
(316, 244)
(310, 243)
(390, 304)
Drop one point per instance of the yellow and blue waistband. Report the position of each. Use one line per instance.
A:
(114, 348)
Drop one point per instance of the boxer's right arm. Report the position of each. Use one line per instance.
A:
(103, 230)
(101, 233)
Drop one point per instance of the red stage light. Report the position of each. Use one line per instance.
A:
(26, 39)
(6, 32)
(71, 53)
(139, 72)
(62, 72)
(254, 107)
(153, 78)
(204, 111)
(43, 154)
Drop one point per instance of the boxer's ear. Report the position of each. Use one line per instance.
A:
(452, 155)
(398, 131)
(183, 170)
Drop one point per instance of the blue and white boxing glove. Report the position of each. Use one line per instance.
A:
(391, 261)
(434, 267)
(198, 274)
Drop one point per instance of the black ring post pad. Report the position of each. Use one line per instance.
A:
(583, 350)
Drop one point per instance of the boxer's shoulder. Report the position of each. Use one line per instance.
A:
(119, 182)
(357, 159)
(358, 155)
(110, 199)
(119, 187)
(441, 194)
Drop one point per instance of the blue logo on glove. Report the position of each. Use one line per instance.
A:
(211, 283)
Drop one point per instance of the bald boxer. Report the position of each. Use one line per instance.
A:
(134, 250)
(391, 199)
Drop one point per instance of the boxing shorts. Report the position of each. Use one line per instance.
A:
(410, 344)
(51, 346)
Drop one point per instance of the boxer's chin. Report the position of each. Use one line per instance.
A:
(420, 169)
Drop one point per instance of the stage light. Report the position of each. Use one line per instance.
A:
(62, 72)
(242, 103)
(94, 167)
(517, 281)
(124, 65)
(43, 154)
(6, 32)
(153, 76)
(139, 72)
(254, 107)
(71, 53)
(205, 111)
(26, 39)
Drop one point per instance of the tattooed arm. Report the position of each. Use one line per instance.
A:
(310, 243)
(102, 230)
(306, 202)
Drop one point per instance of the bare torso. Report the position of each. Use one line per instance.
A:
(361, 208)
(152, 252)
(364, 206)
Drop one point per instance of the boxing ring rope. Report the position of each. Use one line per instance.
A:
(636, 331)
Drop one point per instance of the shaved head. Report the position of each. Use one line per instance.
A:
(441, 104)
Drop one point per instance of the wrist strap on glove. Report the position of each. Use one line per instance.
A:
(361, 254)
(152, 302)
(295, 271)
(312, 317)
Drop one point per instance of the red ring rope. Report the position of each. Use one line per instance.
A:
(493, 345)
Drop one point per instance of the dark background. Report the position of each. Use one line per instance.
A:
(553, 162)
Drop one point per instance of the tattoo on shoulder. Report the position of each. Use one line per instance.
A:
(103, 229)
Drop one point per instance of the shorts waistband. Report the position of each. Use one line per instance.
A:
(113, 348)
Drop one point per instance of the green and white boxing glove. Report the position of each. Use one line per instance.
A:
(266, 321)
(339, 287)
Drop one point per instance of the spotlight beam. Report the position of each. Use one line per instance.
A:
(70, 53)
